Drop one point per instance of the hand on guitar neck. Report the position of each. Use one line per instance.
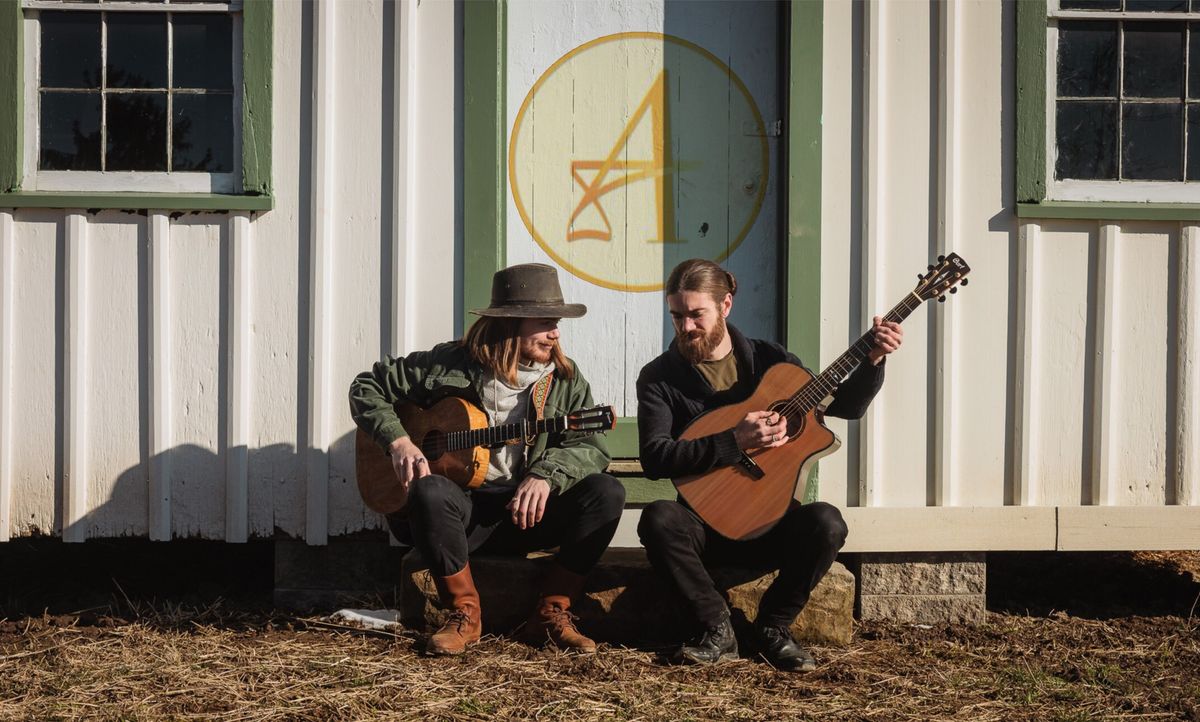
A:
(408, 461)
(888, 335)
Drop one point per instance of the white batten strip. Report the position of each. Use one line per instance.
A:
(74, 419)
(237, 393)
(1104, 392)
(1187, 369)
(7, 294)
(1026, 488)
(946, 483)
(404, 180)
(158, 240)
(870, 433)
(321, 265)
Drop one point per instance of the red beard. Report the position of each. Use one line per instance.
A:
(696, 346)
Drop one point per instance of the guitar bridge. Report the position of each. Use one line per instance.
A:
(750, 466)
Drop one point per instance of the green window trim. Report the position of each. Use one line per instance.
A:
(1031, 162)
(257, 79)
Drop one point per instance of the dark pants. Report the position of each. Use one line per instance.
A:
(446, 523)
(802, 546)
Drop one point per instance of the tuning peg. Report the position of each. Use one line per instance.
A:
(941, 299)
(920, 277)
(930, 268)
(941, 259)
(964, 281)
(954, 290)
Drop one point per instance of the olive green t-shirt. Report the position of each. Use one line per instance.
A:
(720, 374)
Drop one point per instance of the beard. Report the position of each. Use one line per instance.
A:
(534, 352)
(697, 345)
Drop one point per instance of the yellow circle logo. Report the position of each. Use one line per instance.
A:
(635, 151)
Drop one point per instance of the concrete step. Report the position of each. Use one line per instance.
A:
(624, 602)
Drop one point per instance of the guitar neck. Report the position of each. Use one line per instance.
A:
(503, 433)
(824, 384)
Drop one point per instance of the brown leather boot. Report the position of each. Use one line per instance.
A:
(551, 621)
(463, 626)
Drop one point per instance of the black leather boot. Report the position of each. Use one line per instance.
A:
(783, 652)
(716, 644)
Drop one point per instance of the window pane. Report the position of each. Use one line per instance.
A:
(137, 50)
(1154, 60)
(1087, 59)
(1194, 65)
(70, 130)
(1086, 136)
(1152, 144)
(70, 50)
(1090, 4)
(1193, 141)
(203, 139)
(1152, 6)
(137, 131)
(203, 48)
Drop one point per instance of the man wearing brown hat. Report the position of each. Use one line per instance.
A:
(551, 493)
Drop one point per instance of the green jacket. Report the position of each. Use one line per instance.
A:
(426, 377)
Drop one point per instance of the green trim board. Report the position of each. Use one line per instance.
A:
(1110, 211)
(11, 95)
(485, 29)
(257, 95)
(802, 308)
(258, 47)
(1031, 101)
(136, 201)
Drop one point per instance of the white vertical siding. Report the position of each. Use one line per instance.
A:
(110, 415)
(7, 241)
(238, 434)
(1186, 469)
(158, 383)
(36, 372)
(75, 502)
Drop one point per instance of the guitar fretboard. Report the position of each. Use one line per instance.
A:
(495, 435)
(807, 398)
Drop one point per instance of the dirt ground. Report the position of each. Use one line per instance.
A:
(1068, 637)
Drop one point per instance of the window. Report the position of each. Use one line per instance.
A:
(136, 96)
(1123, 100)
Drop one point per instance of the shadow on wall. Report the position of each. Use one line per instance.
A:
(200, 496)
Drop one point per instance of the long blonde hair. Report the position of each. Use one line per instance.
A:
(494, 343)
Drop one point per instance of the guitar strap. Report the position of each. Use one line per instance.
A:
(538, 397)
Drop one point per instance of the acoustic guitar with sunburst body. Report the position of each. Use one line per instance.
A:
(745, 500)
(456, 440)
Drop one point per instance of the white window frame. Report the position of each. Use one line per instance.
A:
(122, 181)
(1099, 190)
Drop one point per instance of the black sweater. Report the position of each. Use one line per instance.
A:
(671, 393)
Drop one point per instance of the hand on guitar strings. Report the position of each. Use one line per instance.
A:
(887, 336)
(408, 461)
(761, 430)
(529, 502)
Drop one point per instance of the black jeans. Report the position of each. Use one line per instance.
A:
(802, 546)
(447, 523)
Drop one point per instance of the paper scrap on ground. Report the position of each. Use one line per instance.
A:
(368, 618)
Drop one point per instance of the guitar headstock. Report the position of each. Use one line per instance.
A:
(597, 418)
(949, 272)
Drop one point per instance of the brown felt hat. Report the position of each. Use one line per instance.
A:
(529, 290)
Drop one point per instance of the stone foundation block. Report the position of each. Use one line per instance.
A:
(623, 600)
(923, 588)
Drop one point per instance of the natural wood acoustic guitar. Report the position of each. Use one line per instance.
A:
(745, 500)
(454, 437)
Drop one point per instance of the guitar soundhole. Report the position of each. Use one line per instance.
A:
(795, 420)
(433, 445)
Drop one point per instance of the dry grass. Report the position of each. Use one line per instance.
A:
(138, 660)
(204, 664)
